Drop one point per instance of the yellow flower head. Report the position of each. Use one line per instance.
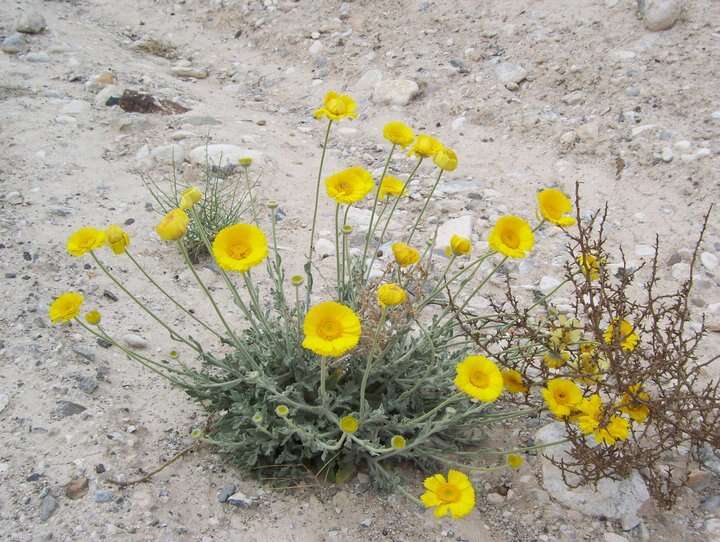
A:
(515, 461)
(590, 266)
(190, 197)
(297, 280)
(591, 418)
(405, 254)
(331, 329)
(446, 159)
(555, 360)
(553, 205)
(349, 424)
(240, 247)
(513, 381)
(282, 410)
(117, 239)
(398, 442)
(562, 396)
(425, 146)
(459, 245)
(173, 225)
(245, 161)
(84, 240)
(65, 307)
(92, 318)
(391, 186)
(391, 294)
(336, 107)
(632, 403)
(398, 133)
(456, 495)
(625, 335)
(350, 185)
(480, 378)
(511, 236)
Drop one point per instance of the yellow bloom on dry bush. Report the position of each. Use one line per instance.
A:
(349, 424)
(337, 106)
(405, 254)
(446, 159)
(511, 236)
(84, 240)
(391, 294)
(480, 378)
(350, 185)
(65, 307)
(240, 247)
(391, 186)
(190, 197)
(456, 495)
(398, 133)
(425, 146)
(93, 318)
(626, 336)
(331, 329)
(591, 418)
(117, 239)
(513, 381)
(590, 266)
(459, 246)
(515, 461)
(555, 360)
(631, 405)
(562, 396)
(554, 205)
(398, 442)
(173, 225)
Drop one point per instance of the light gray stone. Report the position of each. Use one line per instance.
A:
(508, 73)
(367, 82)
(134, 341)
(709, 261)
(169, 154)
(395, 92)
(190, 72)
(14, 43)
(612, 537)
(548, 284)
(316, 48)
(324, 248)
(644, 251)
(241, 500)
(681, 271)
(4, 401)
(661, 15)
(222, 155)
(110, 91)
(31, 22)
(47, 507)
(574, 98)
(39, 57)
(75, 107)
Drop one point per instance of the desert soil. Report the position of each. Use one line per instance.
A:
(632, 114)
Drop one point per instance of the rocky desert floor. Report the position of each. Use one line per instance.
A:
(622, 96)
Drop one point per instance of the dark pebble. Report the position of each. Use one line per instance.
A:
(34, 477)
(224, 493)
(129, 221)
(99, 468)
(111, 296)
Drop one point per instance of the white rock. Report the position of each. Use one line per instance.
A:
(134, 341)
(102, 97)
(182, 134)
(715, 115)
(458, 123)
(709, 261)
(40, 56)
(589, 132)
(548, 284)
(169, 154)
(661, 14)
(359, 219)
(508, 73)
(612, 537)
(667, 154)
(681, 271)
(222, 155)
(75, 107)
(14, 43)
(316, 48)
(613, 499)
(31, 22)
(461, 226)
(644, 251)
(683, 145)
(574, 98)
(189, 71)
(395, 92)
(367, 82)
(100, 81)
(620, 55)
(324, 248)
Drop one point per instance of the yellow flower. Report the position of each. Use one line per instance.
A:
(446, 159)
(553, 205)
(173, 225)
(480, 378)
(456, 495)
(398, 133)
(590, 422)
(349, 424)
(84, 240)
(245, 161)
(562, 396)
(117, 239)
(425, 146)
(626, 335)
(513, 381)
(459, 245)
(390, 295)
(391, 186)
(515, 461)
(331, 329)
(190, 197)
(555, 360)
(590, 266)
(350, 185)
(65, 307)
(511, 236)
(398, 442)
(92, 318)
(631, 404)
(282, 410)
(297, 280)
(240, 247)
(336, 107)
(405, 254)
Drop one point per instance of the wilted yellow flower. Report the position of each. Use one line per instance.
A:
(405, 254)
(336, 107)
(459, 245)
(562, 396)
(349, 424)
(456, 495)
(282, 410)
(398, 133)
(590, 266)
(391, 294)
(391, 186)
(65, 307)
(84, 240)
(511, 236)
(190, 197)
(591, 418)
(350, 185)
(446, 159)
(117, 239)
(513, 381)
(331, 329)
(297, 280)
(398, 442)
(631, 404)
(566, 332)
(240, 247)
(425, 146)
(626, 335)
(555, 360)
(480, 378)
(173, 225)
(515, 461)
(553, 205)
(92, 318)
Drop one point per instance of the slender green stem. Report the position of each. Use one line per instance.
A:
(369, 362)
(345, 263)
(323, 378)
(298, 311)
(430, 413)
(374, 207)
(253, 204)
(338, 271)
(422, 211)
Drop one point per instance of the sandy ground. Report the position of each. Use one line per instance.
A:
(632, 114)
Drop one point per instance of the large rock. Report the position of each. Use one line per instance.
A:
(661, 14)
(509, 74)
(613, 499)
(461, 226)
(31, 22)
(367, 83)
(221, 155)
(169, 154)
(13, 44)
(395, 92)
